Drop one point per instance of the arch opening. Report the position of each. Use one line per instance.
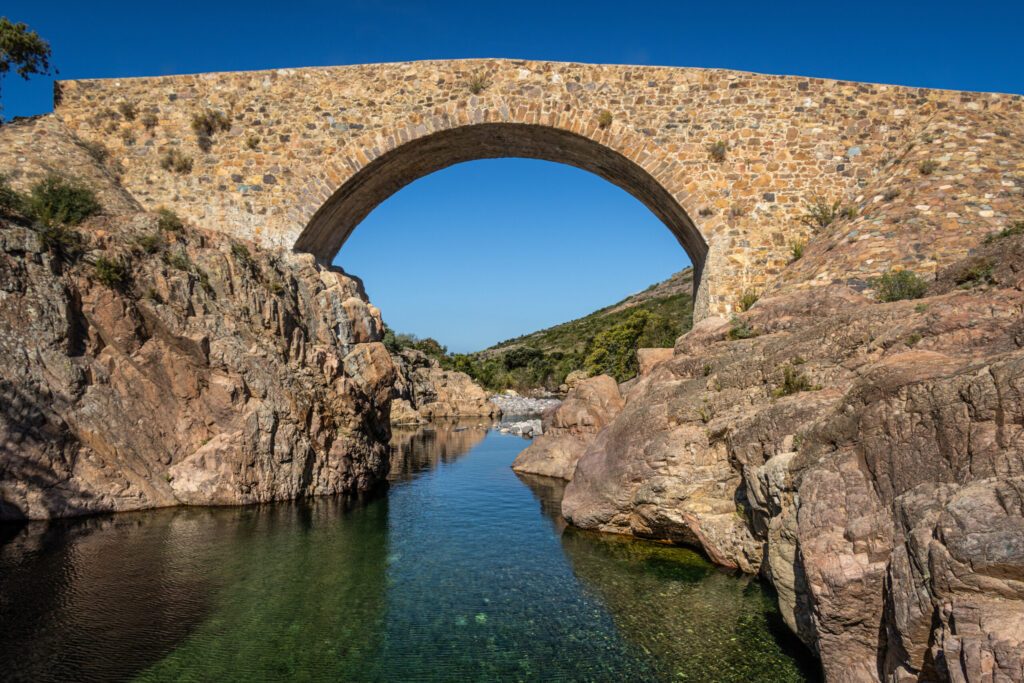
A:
(336, 219)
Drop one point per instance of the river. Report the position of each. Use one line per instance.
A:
(462, 571)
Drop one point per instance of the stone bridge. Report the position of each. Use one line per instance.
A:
(296, 158)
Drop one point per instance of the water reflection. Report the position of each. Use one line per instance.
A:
(454, 575)
(417, 449)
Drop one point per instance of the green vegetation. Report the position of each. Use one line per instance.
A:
(176, 161)
(149, 121)
(57, 200)
(604, 341)
(178, 260)
(975, 275)
(604, 119)
(1016, 228)
(168, 221)
(717, 151)
(10, 199)
(242, 255)
(613, 351)
(821, 213)
(252, 142)
(54, 205)
(151, 243)
(478, 83)
(22, 51)
(793, 382)
(206, 124)
(796, 250)
(63, 242)
(111, 272)
(128, 110)
(891, 194)
(740, 329)
(898, 285)
(928, 167)
(747, 299)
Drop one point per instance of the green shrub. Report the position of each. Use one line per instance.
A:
(127, 110)
(57, 200)
(174, 160)
(11, 201)
(848, 212)
(111, 272)
(747, 299)
(796, 250)
(604, 119)
(891, 194)
(821, 213)
(793, 382)
(613, 351)
(740, 329)
(717, 151)
(151, 243)
(975, 275)
(209, 122)
(63, 242)
(898, 285)
(168, 221)
(178, 260)
(478, 83)
(928, 167)
(149, 121)
(242, 255)
(1016, 228)
(252, 142)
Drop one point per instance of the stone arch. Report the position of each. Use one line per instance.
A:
(375, 168)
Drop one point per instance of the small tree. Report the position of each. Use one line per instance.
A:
(22, 51)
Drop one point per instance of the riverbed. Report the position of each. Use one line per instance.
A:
(462, 571)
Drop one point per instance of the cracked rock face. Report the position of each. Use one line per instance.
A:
(866, 458)
(215, 374)
(424, 391)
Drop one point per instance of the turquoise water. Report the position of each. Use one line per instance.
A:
(461, 572)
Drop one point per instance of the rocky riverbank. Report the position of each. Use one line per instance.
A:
(866, 457)
(149, 363)
(514, 404)
(424, 391)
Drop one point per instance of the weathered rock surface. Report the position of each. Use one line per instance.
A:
(865, 457)
(214, 374)
(648, 358)
(425, 391)
(570, 426)
(879, 488)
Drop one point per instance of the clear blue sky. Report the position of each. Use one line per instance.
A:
(489, 250)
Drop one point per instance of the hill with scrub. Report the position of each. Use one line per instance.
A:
(604, 341)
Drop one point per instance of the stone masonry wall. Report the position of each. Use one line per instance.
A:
(296, 137)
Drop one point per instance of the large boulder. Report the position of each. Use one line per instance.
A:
(569, 427)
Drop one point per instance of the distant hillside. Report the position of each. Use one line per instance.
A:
(603, 341)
